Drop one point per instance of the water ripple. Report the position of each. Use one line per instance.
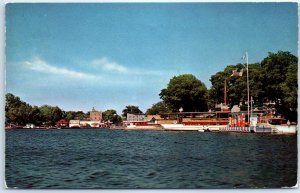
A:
(148, 159)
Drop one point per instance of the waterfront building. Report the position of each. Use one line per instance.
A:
(135, 119)
(74, 123)
(153, 119)
(94, 121)
(62, 123)
(95, 115)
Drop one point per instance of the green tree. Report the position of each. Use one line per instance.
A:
(185, 91)
(112, 116)
(157, 108)
(273, 80)
(79, 115)
(290, 87)
(109, 114)
(132, 110)
(70, 115)
(281, 82)
(237, 85)
(50, 114)
(275, 67)
(17, 111)
(35, 116)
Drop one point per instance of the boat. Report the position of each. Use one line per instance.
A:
(194, 121)
(278, 125)
(147, 126)
(200, 128)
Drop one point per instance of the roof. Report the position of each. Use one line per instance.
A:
(62, 121)
(150, 117)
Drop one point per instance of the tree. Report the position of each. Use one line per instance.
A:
(35, 116)
(79, 115)
(289, 87)
(275, 68)
(281, 82)
(132, 110)
(50, 114)
(69, 115)
(237, 85)
(185, 91)
(112, 116)
(16, 111)
(157, 108)
(274, 79)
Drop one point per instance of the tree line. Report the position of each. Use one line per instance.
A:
(274, 79)
(19, 112)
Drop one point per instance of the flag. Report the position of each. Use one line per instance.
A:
(236, 73)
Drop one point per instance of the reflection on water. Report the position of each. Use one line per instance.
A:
(104, 158)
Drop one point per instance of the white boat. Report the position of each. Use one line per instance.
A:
(278, 125)
(143, 127)
(195, 121)
(200, 128)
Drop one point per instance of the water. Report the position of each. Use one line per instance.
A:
(103, 158)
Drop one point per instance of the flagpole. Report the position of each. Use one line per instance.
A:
(248, 88)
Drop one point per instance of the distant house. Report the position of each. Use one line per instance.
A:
(135, 119)
(153, 119)
(74, 123)
(62, 123)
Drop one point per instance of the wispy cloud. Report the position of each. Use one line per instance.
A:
(40, 65)
(108, 65)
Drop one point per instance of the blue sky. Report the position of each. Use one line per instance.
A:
(107, 56)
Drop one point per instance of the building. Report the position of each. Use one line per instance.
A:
(62, 123)
(95, 115)
(153, 119)
(94, 121)
(135, 119)
(74, 123)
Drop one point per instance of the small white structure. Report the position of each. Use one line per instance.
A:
(83, 123)
(235, 109)
(74, 123)
(29, 126)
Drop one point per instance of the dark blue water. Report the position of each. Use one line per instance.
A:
(103, 158)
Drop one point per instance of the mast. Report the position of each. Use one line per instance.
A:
(251, 106)
(225, 93)
(248, 88)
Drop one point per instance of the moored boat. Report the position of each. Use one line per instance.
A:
(143, 127)
(195, 121)
(200, 128)
(278, 125)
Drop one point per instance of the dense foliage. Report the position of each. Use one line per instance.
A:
(131, 109)
(111, 115)
(185, 91)
(274, 80)
(157, 108)
(18, 112)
